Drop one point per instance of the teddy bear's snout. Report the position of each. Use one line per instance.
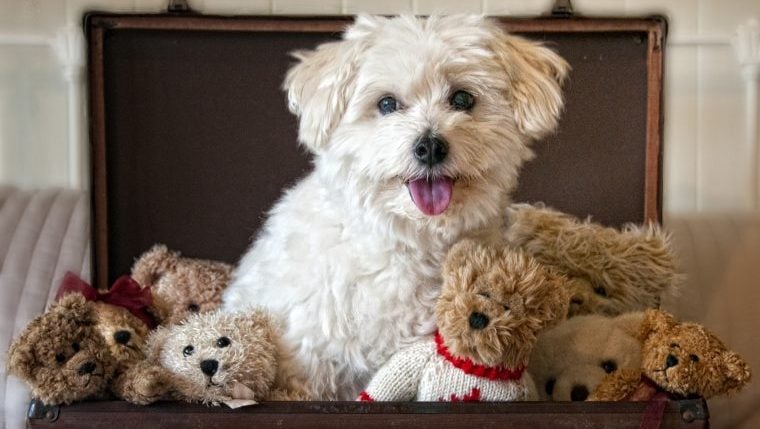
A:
(478, 320)
(209, 366)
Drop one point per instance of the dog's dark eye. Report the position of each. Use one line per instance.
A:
(60, 358)
(609, 366)
(187, 351)
(462, 100)
(193, 308)
(387, 105)
(600, 291)
(222, 342)
(694, 358)
(75, 346)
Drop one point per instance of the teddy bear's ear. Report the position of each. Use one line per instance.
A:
(656, 321)
(555, 299)
(153, 264)
(736, 371)
(155, 343)
(630, 323)
(74, 307)
(21, 361)
(460, 252)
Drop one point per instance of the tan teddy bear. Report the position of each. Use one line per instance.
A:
(181, 286)
(222, 358)
(571, 359)
(493, 304)
(681, 359)
(611, 271)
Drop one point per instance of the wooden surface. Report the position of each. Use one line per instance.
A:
(619, 415)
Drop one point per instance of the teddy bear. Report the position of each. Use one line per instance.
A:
(494, 301)
(181, 286)
(611, 271)
(680, 359)
(571, 359)
(225, 358)
(86, 346)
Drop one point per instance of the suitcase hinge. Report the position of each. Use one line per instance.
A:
(692, 410)
(562, 9)
(40, 411)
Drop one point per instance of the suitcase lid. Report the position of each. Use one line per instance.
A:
(192, 142)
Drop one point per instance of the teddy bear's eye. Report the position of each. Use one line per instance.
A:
(222, 342)
(549, 387)
(694, 358)
(506, 308)
(484, 295)
(60, 358)
(187, 351)
(609, 366)
(673, 345)
(75, 346)
(599, 290)
(194, 308)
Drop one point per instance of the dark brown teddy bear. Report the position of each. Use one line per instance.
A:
(181, 286)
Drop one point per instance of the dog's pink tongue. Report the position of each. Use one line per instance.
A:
(431, 196)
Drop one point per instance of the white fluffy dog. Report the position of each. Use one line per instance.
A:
(418, 129)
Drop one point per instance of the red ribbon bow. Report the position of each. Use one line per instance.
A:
(125, 292)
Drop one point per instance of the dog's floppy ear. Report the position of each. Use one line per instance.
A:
(320, 85)
(537, 74)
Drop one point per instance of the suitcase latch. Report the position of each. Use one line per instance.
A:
(40, 411)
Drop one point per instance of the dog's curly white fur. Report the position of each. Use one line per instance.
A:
(347, 258)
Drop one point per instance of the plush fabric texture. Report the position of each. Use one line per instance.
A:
(181, 286)
(493, 304)
(422, 372)
(43, 234)
(208, 354)
(573, 358)
(611, 271)
(681, 358)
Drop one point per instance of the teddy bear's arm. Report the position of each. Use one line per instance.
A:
(617, 386)
(143, 383)
(399, 378)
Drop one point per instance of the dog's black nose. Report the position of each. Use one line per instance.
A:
(478, 320)
(671, 361)
(430, 150)
(209, 366)
(579, 393)
(87, 368)
(122, 337)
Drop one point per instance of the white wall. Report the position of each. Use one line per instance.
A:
(708, 162)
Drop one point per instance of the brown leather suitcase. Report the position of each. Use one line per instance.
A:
(192, 143)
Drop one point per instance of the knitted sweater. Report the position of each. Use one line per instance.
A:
(426, 371)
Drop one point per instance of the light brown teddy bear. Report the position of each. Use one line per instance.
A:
(681, 359)
(181, 286)
(493, 304)
(611, 271)
(222, 358)
(571, 359)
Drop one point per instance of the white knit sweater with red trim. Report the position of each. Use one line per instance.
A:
(426, 371)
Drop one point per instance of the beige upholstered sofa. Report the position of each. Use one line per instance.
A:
(43, 234)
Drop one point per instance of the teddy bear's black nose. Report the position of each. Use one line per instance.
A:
(122, 337)
(478, 320)
(671, 361)
(87, 368)
(579, 393)
(209, 366)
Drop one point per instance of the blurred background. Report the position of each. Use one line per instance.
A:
(711, 153)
